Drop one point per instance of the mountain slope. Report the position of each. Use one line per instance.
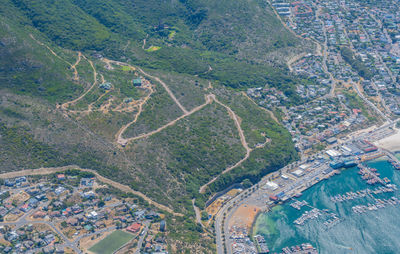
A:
(182, 123)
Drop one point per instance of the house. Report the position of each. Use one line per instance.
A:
(105, 86)
(59, 190)
(76, 209)
(25, 208)
(7, 249)
(33, 202)
(3, 211)
(134, 228)
(88, 194)
(49, 238)
(61, 177)
(9, 183)
(88, 182)
(12, 236)
(137, 82)
(92, 215)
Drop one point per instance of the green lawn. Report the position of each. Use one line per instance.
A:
(111, 243)
(153, 48)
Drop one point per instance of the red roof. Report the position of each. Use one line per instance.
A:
(273, 198)
(134, 227)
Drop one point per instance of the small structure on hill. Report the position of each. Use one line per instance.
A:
(106, 86)
(137, 82)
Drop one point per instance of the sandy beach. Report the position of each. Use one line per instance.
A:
(391, 143)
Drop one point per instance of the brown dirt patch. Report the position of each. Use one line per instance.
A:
(244, 216)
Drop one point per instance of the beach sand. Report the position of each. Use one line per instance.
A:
(244, 216)
(391, 143)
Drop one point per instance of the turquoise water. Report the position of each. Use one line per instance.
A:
(370, 232)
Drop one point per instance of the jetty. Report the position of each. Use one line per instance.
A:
(373, 175)
(392, 159)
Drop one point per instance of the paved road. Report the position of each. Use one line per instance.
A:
(142, 236)
(370, 103)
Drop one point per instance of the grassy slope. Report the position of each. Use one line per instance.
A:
(29, 68)
(186, 155)
(169, 166)
(179, 157)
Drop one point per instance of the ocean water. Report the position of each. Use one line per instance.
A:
(370, 232)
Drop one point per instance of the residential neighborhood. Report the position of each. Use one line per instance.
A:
(72, 212)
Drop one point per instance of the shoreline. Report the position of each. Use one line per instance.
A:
(263, 211)
(391, 143)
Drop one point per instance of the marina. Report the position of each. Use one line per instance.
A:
(337, 210)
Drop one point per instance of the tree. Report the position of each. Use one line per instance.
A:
(204, 215)
(64, 224)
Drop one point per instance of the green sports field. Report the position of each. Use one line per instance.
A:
(111, 243)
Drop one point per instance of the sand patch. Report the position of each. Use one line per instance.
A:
(244, 216)
(391, 143)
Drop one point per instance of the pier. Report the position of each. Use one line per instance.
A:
(392, 158)
(373, 174)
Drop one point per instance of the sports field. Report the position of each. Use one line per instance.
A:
(111, 243)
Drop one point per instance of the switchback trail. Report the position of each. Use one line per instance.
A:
(124, 141)
(242, 140)
(122, 187)
(67, 104)
(170, 93)
(73, 67)
(166, 88)
(118, 135)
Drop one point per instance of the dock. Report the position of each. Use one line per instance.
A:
(377, 178)
(391, 155)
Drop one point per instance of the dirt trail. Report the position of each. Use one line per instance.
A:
(166, 88)
(122, 141)
(270, 113)
(197, 212)
(51, 51)
(122, 187)
(67, 104)
(242, 140)
(118, 135)
(295, 59)
(73, 67)
(170, 93)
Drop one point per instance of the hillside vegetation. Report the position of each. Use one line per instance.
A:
(67, 95)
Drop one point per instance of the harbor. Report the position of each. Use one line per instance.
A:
(338, 210)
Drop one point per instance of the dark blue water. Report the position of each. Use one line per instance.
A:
(370, 232)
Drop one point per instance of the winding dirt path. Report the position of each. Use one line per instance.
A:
(67, 104)
(171, 94)
(122, 187)
(270, 113)
(76, 77)
(242, 140)
(72, 66)
(123, 141)
(118, 135)
(295, 59)
(51, 51)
